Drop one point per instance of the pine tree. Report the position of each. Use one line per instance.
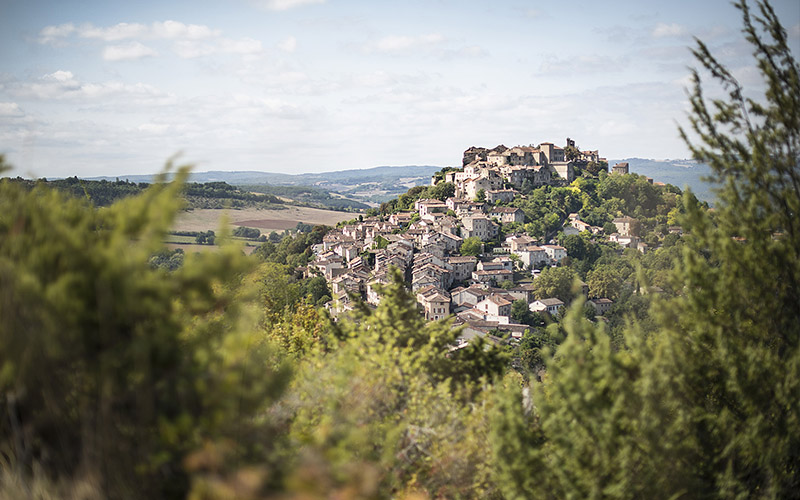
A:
(705, 406)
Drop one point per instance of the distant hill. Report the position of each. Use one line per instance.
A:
(379, 184)
(348, 177)
(371, 185)
(680, 173)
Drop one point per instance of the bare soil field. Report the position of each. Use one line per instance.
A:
(266, 220)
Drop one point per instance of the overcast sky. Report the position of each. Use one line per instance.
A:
(104, 87)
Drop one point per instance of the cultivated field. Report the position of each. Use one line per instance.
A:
(265, 220)
(191, 248)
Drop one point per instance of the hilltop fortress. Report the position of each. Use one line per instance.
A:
(492, 170)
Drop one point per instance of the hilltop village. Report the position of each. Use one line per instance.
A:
(440, 247)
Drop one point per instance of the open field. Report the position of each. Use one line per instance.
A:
(266, 220)
(193, 247)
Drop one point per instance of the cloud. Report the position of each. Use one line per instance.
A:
(160, 30)
(663, 30)
(189, 49)
(190, 40)
(584, 64)
(10, 109)
(63, 85)
(175, 29)
(404, 43)
(288, 45)
(121, 31)
(54, 34)
(286, 4)
(126, 52)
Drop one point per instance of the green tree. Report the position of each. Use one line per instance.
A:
(471, 246)
(604, 281)
(705, 404)
(520, 311)
(414, 414)
(113, 369)
(555, 282)
(575, 245)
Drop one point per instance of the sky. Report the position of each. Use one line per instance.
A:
(107, 87)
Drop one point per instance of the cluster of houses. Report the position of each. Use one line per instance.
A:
(424, 247)
(499, 171)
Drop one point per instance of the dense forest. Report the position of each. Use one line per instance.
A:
(128, 372)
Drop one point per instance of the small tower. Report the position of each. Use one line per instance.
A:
(620, 168)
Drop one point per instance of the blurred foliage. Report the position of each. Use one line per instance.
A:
(111, 367)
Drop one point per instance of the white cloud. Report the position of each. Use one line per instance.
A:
(189, 49)
(53, 34)
(794, 31)
(663, 30)
(121, 31)
(402, 43)
(175, 29)
(9, 109)
(62, 85)
(287, 4)
(126, 52)
(191, 40)
(288, 45)
(59, 76)
(161, 30)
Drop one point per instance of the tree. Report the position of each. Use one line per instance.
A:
(205, 238)
(471, 246)
(604, 281)
(246, 232)
(575, 245)
(113, 370)
(480, 196)
(705, 404)
(414, 414)
(555, 282)
(442, 190)
(520, 311)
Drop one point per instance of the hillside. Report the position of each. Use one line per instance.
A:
(680, 173)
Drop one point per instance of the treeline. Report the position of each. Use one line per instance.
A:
(309, 196)
(223, 195)
(198, 195)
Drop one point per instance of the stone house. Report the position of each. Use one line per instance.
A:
(462, 267)
(501, 195)
(478, 226)
(492, 277)
(435, 302)
(550, 306)
(555, 252)
(626, 226)
(507, 215)
(601, 305)
(496, 307)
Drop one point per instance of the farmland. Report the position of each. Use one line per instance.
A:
(265, 220)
